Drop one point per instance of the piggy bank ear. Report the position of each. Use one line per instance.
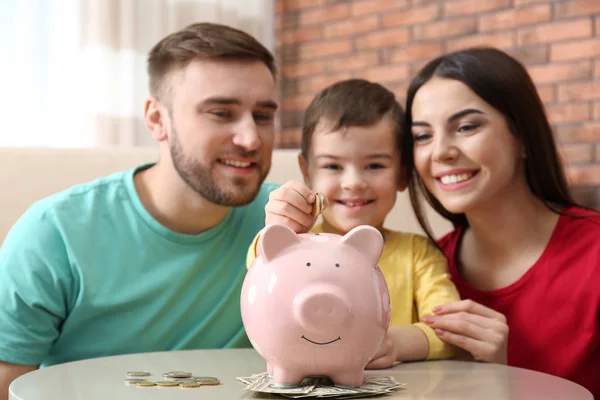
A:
(367, 240)
(275, 239)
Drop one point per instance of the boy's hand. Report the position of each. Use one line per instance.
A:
(401, 343)
(292, 205)
(386, 355)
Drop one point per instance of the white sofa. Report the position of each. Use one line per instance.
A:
(29, 174)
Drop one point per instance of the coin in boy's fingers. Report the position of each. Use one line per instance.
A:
(323, 201)
(318, 204)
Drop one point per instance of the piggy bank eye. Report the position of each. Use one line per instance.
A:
(337, 265)
(308, 264)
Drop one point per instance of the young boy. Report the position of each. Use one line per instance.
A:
(350, 153)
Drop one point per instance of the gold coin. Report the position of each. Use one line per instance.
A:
(321, 202)
(318, 205)
(146, 383)
(167, 383)
(190, 384)
(208, 380)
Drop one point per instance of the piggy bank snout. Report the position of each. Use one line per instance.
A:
(321, 307)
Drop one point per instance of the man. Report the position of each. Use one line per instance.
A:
(153, 258)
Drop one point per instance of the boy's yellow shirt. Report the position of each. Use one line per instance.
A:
(417, 276)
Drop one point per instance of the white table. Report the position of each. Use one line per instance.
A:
(103, 379)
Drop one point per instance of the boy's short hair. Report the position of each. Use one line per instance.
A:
(352, 102)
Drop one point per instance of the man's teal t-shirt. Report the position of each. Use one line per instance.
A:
(88, 272)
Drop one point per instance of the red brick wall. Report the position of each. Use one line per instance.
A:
(321, 41)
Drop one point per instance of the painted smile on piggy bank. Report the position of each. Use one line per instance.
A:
(320, 343)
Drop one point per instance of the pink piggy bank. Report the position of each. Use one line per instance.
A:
(316, 304)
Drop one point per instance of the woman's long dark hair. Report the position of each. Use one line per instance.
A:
(504, 83)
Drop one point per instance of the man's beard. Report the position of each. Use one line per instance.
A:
(229, 192)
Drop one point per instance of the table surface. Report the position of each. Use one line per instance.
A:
(103, 378)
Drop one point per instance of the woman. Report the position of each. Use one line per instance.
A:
(523, 254)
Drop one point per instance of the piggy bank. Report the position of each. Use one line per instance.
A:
(316, 304)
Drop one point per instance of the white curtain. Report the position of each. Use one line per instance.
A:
(73, 72)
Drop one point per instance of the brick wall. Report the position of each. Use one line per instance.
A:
(322, 41)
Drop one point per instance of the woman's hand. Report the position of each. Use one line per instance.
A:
(292, 205)
(473, 327)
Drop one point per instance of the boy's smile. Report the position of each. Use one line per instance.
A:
(356, 204)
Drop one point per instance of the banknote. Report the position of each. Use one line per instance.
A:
(322, 387)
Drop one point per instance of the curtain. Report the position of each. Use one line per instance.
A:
(73, 72)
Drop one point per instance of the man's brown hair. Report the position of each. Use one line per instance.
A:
(352, 102)
(202, 40)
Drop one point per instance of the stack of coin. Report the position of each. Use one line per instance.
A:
(136, 377)
(182, 379)
(318, 204)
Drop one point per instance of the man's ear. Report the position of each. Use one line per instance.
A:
(304, 168)
(155, 118)
(402, 179)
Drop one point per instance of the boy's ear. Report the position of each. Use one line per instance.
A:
(402, 179)
(304, 168)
